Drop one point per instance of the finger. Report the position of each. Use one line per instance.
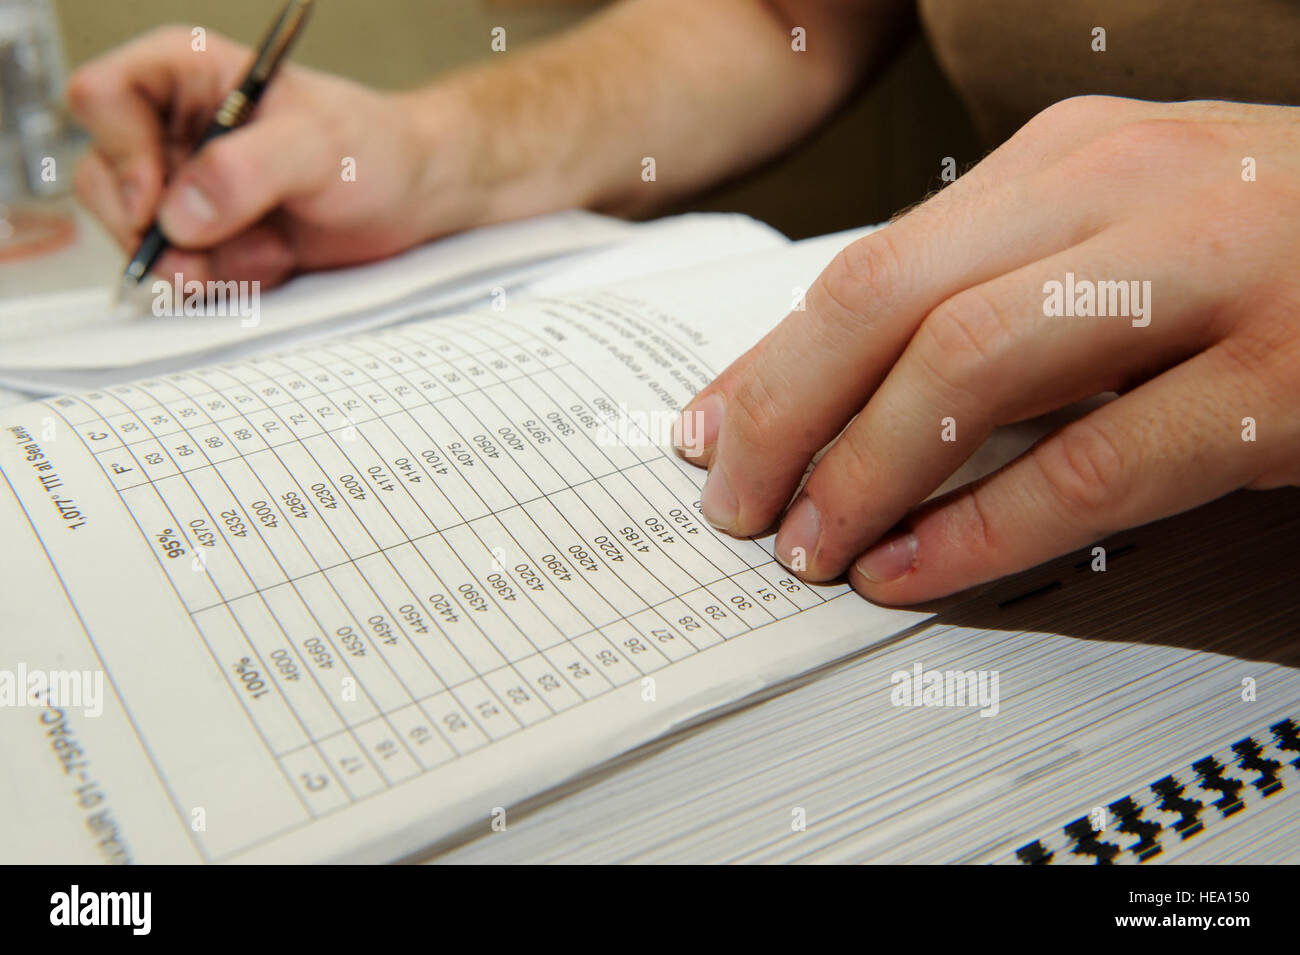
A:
(990, 356)
(128, 135)
(260, 254)
(820, 366)
(178, 266)
(98, 190)
(111, 98)
(695, 432)
(235, 180)
(1045, 140)
(145, 94)
(1172, 444)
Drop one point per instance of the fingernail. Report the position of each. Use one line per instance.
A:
(698, 425)
(888, 560)
(185, 210)
(718, 501)
(796, 542)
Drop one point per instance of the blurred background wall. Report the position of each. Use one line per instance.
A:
(880, 154)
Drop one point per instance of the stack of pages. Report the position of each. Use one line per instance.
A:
(1147, 714)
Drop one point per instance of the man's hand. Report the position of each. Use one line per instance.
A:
(265, 200)
(973, 311)
(562, 123)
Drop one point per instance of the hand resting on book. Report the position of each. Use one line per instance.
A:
(1112, 245)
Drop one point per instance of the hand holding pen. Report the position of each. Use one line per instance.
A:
(262, 200)
(235, 110)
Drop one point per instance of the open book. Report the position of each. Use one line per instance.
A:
(339, 602)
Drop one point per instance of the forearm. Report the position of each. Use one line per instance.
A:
(705, 89)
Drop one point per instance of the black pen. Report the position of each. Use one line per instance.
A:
(234, 112)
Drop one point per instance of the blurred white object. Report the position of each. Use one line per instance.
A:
(33, 127)
(36, 147)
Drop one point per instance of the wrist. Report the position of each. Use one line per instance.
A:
(473, 159)
(442, 187)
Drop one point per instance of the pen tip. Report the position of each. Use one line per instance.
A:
(124, 294)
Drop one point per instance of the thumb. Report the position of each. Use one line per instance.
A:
(236, 179)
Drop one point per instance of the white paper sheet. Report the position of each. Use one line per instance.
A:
(316, 655)
(80, 329)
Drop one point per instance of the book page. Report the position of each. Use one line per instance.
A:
(81, 329)
(347, 600)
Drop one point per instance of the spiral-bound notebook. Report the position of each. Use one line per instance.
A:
(1209, 792)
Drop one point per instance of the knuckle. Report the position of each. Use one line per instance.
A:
(961, 347)
(851, 461)
(756, 414)
(1253, 353)
(1117, 145)
(1156, 130)
(1086, 471)
(1142, 144)
(863, 274)
(1268, 358)
(969, 334)
(977, 529)
(1067, 112)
